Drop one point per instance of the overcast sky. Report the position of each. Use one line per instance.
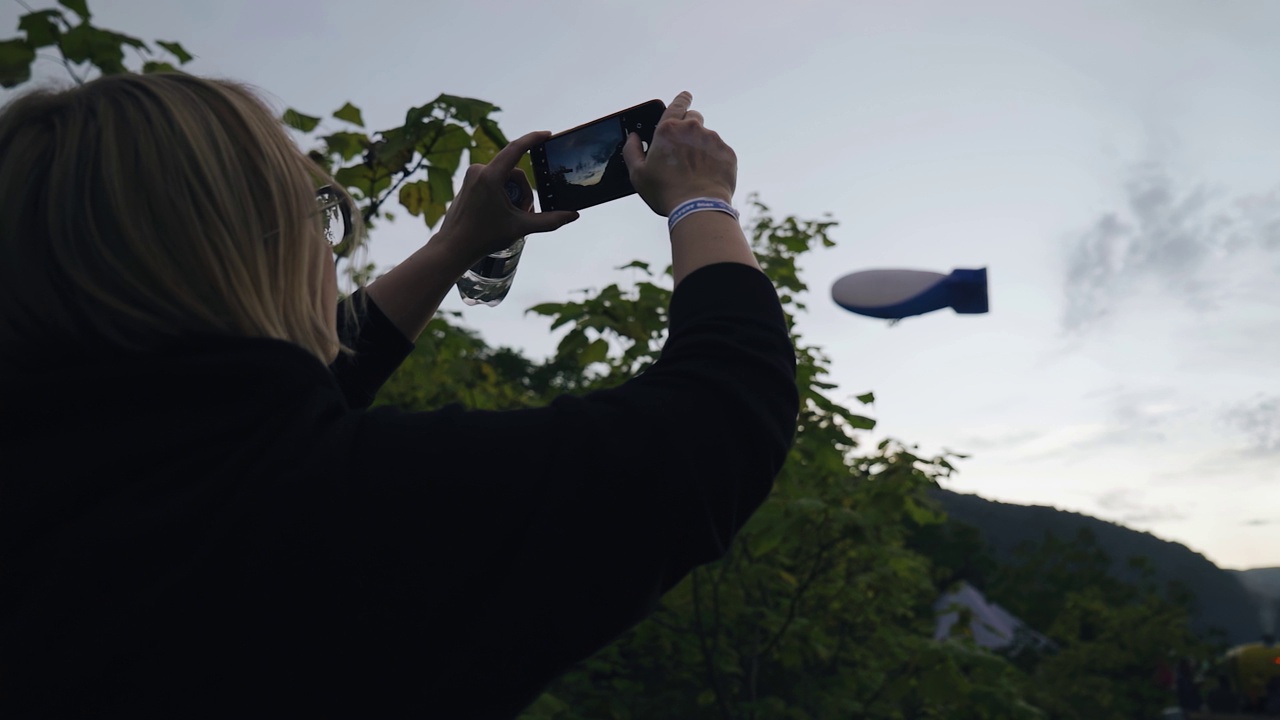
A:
(1115, 165)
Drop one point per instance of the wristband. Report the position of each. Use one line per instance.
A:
(689, 207)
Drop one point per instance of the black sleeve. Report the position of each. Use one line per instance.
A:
(378, 347)
(545, 534)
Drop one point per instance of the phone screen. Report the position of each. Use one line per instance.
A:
(584, 167)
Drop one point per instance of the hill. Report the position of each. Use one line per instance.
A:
(1264, 585)
(1222, 601)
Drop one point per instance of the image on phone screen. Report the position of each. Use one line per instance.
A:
(586, 167)
(583, 167)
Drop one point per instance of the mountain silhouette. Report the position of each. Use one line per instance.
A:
(1222, 601)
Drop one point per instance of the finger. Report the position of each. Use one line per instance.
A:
(678, 107)
(547, 221)
(695, 115)
(633, 152)
(509, 156)
(521, 181)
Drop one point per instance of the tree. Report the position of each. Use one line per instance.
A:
(1109, 636)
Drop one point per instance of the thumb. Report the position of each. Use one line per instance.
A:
(547, 221)
(633, 153)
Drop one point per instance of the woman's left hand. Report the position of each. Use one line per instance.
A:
(482, 219)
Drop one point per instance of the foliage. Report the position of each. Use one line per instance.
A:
(415, 162)
(81, 47)
(1109, 636)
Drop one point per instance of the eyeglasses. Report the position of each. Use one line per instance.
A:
(335, 210)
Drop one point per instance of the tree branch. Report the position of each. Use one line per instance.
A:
(800, 591)
(376, 205)
(714, 677)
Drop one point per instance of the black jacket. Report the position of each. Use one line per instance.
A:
(224, 530)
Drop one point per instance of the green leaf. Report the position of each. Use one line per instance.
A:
(432, 213)
(350, 113)
(441, 182)
(126, 39)
(867, 399)
(639, 265)
(346, 145)
(298, 121)
(103, 48)
(572, 344)
(417, 199)
(763, 544)
(41, 28)
(483, 148)
(469, 110)
(859, 422)
(546, 309)
(79, 7)
(158, 67)
(491, 129)
(446, 150)
(16, 57)
(920, 514)
(415, 196)
(597, 351)
(77, 43)
(177, 51)
(357, 179)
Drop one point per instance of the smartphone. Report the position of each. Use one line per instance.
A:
(583, 167)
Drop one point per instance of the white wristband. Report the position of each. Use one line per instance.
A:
(689, 207)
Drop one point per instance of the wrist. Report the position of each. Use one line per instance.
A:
(711, 193)
(445, 252)
(698, 205)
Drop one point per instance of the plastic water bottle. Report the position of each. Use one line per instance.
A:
(488, 281)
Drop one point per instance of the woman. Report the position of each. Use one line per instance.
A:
(200, 517)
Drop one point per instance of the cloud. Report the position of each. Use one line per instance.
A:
(1126, 418)
(997, 440)
(1259, 522)
(1187, 244)
(1141, 411)
(1258, 420)
(1128, 505)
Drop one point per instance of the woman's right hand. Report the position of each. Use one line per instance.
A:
(685, 160)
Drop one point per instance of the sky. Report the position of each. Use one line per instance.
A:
(1114, 165)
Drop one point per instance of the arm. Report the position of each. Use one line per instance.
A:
(378, 349)
(539, 536)
(410, 293)
(689, 161)
(394, 310)
(480, 220)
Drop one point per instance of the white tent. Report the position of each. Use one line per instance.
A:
(990, 625)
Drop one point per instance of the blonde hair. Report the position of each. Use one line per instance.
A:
(137, 211)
